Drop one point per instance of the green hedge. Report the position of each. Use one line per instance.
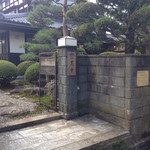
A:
(81, 51)
(32, 73)
(22, 67)
(109, 53)
(8, 72)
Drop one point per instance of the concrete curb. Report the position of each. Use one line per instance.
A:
(27, 122)
(107, 144)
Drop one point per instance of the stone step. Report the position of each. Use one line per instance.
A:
(26, 122)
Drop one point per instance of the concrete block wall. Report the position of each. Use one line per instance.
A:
(108, 88)
(82, 82)
(137, 98)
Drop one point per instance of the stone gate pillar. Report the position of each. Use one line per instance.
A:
(67, 77)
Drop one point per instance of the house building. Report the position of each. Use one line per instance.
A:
(15, 6)
(19, 6)
(14, 31)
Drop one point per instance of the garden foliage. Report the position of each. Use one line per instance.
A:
(8, 72)
(45, 38)
(28, 56)
(22, 67)
(108, 53)
(32, 73)
(108, 21)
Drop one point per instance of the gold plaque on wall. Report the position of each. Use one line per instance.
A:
(143, 78)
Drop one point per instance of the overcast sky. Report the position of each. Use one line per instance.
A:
(71, 1)
(94, 1)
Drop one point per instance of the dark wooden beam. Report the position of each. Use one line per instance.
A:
(9, 7)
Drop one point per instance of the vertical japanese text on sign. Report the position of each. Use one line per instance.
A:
(71, 70)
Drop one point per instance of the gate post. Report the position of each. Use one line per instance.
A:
(67, 77)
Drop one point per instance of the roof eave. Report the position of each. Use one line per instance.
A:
(17, 24)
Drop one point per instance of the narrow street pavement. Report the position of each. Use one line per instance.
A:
(61, 135)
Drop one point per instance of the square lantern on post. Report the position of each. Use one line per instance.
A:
(67, 41)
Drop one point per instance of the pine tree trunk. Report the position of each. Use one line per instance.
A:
(65, 29)
(130, 45)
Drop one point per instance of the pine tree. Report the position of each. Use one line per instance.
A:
(127, 21)
(133, 17)
(41, 17)
(84, 14)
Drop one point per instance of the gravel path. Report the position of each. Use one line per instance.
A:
(13, 105)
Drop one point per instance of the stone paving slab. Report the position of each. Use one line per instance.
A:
(74, 134)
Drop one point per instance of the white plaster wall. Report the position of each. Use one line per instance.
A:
(16, 39)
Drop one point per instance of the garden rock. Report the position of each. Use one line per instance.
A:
(14, 111)
(50, 86)
(34, 91)
(4, 104)
(17, 90)
(12, 106)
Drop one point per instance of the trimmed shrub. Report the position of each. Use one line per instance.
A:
(109, 53)
(81, 51)
(8, 72)
(32, 73)
(22, 67)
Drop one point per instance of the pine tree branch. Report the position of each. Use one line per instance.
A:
(71, 4)
(57, 2)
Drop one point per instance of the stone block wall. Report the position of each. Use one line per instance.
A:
(137, 98)
(67, 85)
(108, 88)
(82, 83)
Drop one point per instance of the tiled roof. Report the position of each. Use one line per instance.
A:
(17, 18)
(22, 18)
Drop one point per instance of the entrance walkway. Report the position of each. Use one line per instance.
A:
(61, 135)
